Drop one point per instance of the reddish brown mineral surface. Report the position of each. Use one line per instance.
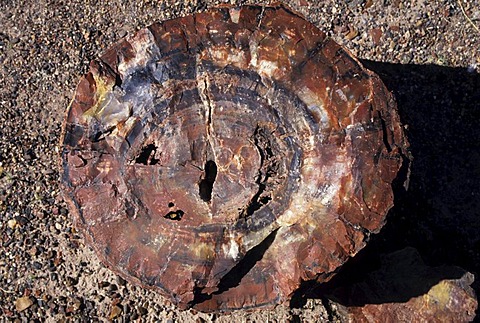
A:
(404, 289)
(223, 158)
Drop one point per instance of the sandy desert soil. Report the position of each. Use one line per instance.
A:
(427, 53)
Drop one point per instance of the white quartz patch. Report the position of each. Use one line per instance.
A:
(231, 249)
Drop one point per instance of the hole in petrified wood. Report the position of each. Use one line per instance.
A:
(174, 215)
(147, 155)
(206, 184)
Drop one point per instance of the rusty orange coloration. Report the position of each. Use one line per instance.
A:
(224, 157)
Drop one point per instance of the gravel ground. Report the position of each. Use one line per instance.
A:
(427, 52)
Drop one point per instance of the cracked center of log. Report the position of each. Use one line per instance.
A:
(225, 157)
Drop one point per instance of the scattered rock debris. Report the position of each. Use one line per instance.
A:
(43, 54)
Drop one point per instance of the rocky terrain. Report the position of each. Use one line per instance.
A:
(426, 52)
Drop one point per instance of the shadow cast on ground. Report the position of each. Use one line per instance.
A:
(439, 214)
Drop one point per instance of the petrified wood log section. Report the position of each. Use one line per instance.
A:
(224, 157)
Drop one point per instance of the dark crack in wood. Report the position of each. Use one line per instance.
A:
(233, 278)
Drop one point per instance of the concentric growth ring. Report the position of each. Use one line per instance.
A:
(224, 157)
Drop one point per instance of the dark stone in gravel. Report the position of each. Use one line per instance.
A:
(103, 284)
(115, 296)
(21, 220)
(134, 316)
(71, 281)
(89, 305)
(142, 310)
(121, 281)
(37, 265)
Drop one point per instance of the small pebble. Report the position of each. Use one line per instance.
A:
(37, 265)
(121, 281)
(116, 311)
(122, 33)
(12, 224)
(21, 220)
(112, 288)
(76, 304)
(142, 310)
(70, 281)
(103, 284)
(23, 303)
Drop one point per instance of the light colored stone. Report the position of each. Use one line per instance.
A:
(23, 303)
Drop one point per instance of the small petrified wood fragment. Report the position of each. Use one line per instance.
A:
(224, 157)
(404, 289)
